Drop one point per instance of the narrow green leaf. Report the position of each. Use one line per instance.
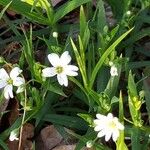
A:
(68, 121)
(4, 9)
(25, 9)
(82, 22)
(3, 145)
(68, 7)
(105, 55)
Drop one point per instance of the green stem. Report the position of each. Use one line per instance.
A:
(23, 119)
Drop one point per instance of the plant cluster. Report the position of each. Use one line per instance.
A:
(91, 77)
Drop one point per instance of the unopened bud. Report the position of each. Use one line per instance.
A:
(89, 144)
(2, 59)
(55, 34)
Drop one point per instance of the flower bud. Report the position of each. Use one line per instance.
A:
(55, 34)
(89, 144)
(2, 60)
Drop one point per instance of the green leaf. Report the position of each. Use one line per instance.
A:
(54, 88)
(104, 56)
(101, 17)
(3, 145)
(132, 86)
(88, 118)
(68, 7)
(82, 22)
(134, 101)
(147, 96)
(80, 63)
(4, 9)
(25, 9)
(120, 142)
(139, 140)
(68, 121)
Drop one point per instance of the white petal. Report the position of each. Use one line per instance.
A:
(99, 122)
(101, 133)
(72, 67)
(20, 89)
(18, 81)
(120, 126)
(109, 116)
(15, 72)
(113, 71)
(99, 127)
(8, 93)
(54, 59)
(65, 58)
(99, 116)
(70, 70)
(62, 79)
(3, 83)
(71, 73)
(108, 136)
(3, 74)
(13, 135)
(49, 72)
(115, 135)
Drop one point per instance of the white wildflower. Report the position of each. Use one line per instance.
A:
(7, 81)
(108, 126)
(113, 71)
(61, 68)
(14, 135)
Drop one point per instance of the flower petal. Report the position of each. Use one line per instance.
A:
(49, 72)
(108, 136)
(70, 70)
(110, 116)
(115, 135)
(62, 79)
(71, 73)
(18, 81)
(13, 135)
(101, 133)
(3, 83)
(8, 93)
(3, 74)
(20, 89)
(99, 127)
(120, 126)
(15, 72)
(72, 67)
(99, 116)
(65, 58)
(54, 59)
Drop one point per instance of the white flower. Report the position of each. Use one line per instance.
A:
(7, 81)
(113, 71)
(61, 68)
(108, 126)
(55, 34)
(14, 135)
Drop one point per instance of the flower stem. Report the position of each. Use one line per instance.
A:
(23, 119)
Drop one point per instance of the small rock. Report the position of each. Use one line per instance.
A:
(50, 137)
(65, 147)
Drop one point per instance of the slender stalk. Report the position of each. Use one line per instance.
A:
(23, 119)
